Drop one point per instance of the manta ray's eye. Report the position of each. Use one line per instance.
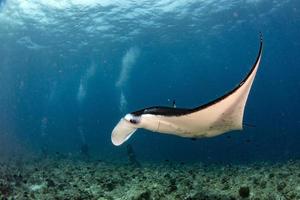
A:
(133, 121)
(132, 118)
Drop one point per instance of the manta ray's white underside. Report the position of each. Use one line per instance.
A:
(214, 118)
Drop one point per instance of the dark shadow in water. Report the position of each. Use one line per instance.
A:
(131, 157)
(85, 152)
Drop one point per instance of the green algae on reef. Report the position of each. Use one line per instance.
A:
(69, 179)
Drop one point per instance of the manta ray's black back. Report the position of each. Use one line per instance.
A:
(162, 110)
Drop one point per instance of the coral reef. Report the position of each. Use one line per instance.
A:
(53, 178)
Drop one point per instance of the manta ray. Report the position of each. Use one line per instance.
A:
(214, 118)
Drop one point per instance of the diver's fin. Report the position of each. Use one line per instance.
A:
(174, 103)
(122, 132)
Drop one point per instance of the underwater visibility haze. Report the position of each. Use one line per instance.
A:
(70, 69)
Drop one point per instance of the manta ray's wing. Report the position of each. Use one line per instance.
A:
(226, 113)
(220, 115)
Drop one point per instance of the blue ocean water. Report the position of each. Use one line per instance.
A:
(70, 69)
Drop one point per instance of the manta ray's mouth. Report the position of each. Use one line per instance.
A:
(122, 132)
